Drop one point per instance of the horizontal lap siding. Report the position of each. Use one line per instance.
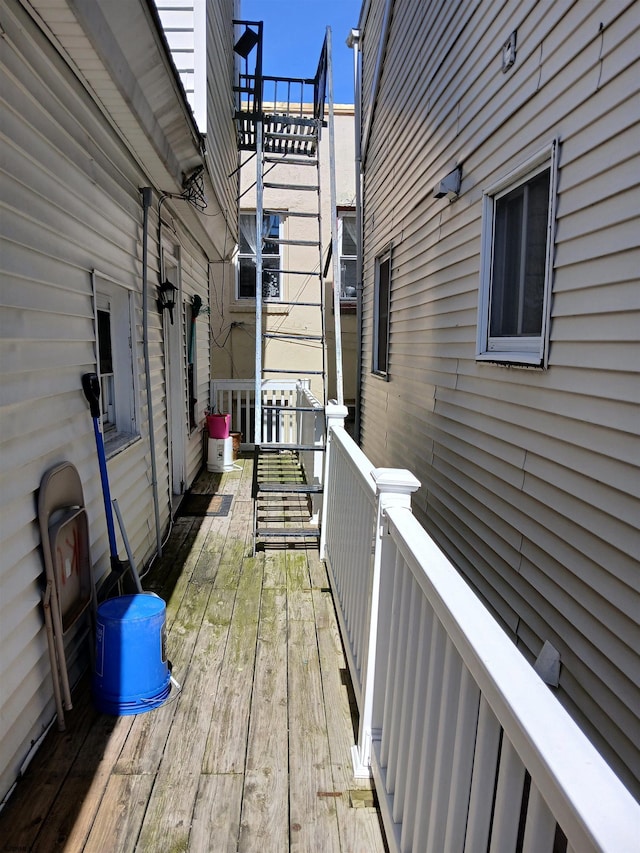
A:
(70, 203)
(194, 274)
(221, 137)
(530, 478)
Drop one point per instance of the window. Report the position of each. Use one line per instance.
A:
(271, 262)
(348, 249)
(105, 369)
(381, 312)
(516, 267)
(115, 363)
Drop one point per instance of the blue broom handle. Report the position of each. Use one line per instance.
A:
(106, 493)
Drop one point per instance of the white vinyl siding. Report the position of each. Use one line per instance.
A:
(221, 139)
(530, 477)
(71, 212)
(184, 25)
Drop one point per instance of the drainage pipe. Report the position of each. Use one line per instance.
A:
(377, 74)
(146, 204)
(354, 43)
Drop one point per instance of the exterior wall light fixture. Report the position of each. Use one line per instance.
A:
(167, 298)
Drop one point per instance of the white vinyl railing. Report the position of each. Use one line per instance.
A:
(311, 429)
(469, 749)
(237, 397)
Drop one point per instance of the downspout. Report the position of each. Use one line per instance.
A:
(146, 204)
(353, 42)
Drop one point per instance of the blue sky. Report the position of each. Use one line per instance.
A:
(293, 35)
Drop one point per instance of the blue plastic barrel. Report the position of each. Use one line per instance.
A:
(131, 670)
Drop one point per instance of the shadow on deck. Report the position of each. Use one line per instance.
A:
(253, 753)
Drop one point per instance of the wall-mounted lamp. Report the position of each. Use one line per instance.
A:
(247, 41)
(450, 185)
(167, 298)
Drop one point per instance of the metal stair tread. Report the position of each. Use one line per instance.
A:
(301, 370)
(300, 304)
(292, 488)
(268, 447)
(297, 272)
(292, 161)
(296, 187)
(287, 532)
(281, 336)
(286, 241)
(273, 407)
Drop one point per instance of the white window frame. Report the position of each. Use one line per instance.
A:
(532, 350)
(342, 214)
(240, 255)
(383, 258)
(120, 422)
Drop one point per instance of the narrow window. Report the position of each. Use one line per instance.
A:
(516, 268)
(271, 257)
(382, 297)
(347, 242)
(114, 342)
(107, 383)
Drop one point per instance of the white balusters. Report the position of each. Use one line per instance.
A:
(468, 748)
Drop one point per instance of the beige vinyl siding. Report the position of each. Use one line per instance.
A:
(70, 204)
(371, 34)
(530, 477)
(194, 274)
(221, 138)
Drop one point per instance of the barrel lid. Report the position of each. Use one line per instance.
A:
(140, 605)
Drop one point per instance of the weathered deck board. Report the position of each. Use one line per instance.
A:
(121, 813)
(216, 817)
(171, 805)
(312, 805)
(252, 754)
(72, 815)
(227, 739)
(33, 802)
(265, 810)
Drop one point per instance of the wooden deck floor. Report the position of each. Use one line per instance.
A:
(252, 754)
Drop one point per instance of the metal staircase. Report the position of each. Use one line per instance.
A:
(280, 120)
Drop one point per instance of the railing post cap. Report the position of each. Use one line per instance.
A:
(395, 480)
(334, 410)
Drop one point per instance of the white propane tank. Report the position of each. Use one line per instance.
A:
(220, 454)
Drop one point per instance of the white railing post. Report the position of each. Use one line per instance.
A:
(335, 415)
(394, 487)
